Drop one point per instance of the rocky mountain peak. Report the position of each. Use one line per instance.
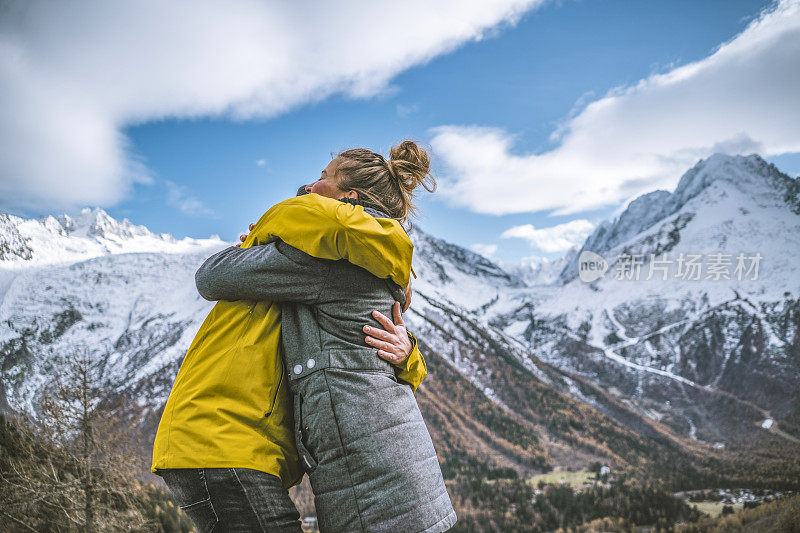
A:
(744, 172)
(91, 233)
(95, 222)
(445, 262)
(759, 182)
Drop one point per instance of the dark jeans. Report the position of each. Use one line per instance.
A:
(232, 499)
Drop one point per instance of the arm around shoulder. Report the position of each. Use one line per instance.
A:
(274, 271)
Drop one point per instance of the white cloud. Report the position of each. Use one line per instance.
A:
(261, 163)
(189, 204)
(554, 239)
(404, 111)
(486, 250)
(743, 98)
(72, 74)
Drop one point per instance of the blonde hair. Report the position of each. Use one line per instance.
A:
(386, 185)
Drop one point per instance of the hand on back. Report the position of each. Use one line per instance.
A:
(392, 342)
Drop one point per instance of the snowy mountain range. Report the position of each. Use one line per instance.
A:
(63, 239)
(677, 345)
(528, 368)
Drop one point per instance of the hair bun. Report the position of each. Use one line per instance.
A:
(410, 164)
(386, 185)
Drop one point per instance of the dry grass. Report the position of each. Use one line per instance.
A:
(573, 479)
(714, 509)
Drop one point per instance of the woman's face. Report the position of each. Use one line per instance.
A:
(327, 185)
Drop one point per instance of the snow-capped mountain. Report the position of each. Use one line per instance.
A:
(63, 239)
(542, 272)
(533, 368)
(736, 191)
(675, 343)
(457, 274)
(91, 280)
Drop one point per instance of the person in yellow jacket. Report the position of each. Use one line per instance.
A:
(230, 405)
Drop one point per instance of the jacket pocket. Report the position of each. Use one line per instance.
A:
(301, 437)
(275, 394)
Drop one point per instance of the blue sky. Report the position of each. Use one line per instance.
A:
(212, 174)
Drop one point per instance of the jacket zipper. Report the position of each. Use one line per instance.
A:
(275, 396)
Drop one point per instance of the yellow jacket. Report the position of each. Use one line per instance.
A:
(230, 404)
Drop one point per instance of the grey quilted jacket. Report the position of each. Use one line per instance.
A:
(359, 431)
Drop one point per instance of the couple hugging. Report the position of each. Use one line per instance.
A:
(297, 368)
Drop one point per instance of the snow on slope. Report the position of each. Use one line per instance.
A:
(544, 272)
(456, 274)
(139, 311)
(650, 338)
(727, 205)
(758, 184)
(94, 281)
(27, 244)
(142, 308)
(58, 240)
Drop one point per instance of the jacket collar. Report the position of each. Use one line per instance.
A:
(369, 209)
(377, 213)
(355, 201)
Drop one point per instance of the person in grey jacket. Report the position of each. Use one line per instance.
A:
(359, 431)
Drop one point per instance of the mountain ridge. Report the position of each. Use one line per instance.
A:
(62, 239)
(668, 381)
(762, 180)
